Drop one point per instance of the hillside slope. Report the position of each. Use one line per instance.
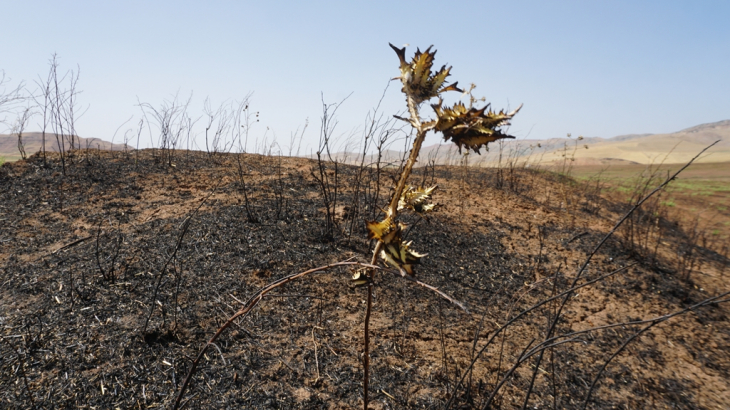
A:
(116, 274)
(673, 148)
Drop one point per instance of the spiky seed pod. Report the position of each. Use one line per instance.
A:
(470, 127)
(416, 200)
(418, 80)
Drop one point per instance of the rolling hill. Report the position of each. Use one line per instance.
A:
(673, 148)
(677, 147)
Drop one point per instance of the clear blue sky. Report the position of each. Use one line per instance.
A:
(593, 68)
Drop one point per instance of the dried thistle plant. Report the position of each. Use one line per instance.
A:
(472, 128)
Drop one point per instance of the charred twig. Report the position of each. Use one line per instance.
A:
(570, 337)
(525, 312)
(72, 244)
(259, 296)
(652, 323)
(577, 236)
(21, 364)
(185, 226)
(435, 290)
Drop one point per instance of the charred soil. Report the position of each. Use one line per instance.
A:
(117, 273)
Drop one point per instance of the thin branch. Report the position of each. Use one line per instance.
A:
(550, 343)
(250, 304)
(568, 293)
(523, 313)
(652, 323)
(436, 290)
(185, 226)
(21, 365)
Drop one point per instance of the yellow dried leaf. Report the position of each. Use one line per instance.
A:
(378, 230)
(427, 208)
(398, 253)
(416, 199)
(394, 251)
(361, 277)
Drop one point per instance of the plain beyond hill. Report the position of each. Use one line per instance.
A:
(673, 148)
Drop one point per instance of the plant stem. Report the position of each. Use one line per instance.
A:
(420, 136)
(392, 212)
(366, 352)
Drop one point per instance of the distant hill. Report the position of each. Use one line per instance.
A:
(33, 142)
(677, 147)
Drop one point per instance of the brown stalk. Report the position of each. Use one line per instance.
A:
(392, 212)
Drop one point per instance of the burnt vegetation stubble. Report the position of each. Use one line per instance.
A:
(115, 274)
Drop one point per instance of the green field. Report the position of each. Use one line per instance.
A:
(700, 192)
(9, 158)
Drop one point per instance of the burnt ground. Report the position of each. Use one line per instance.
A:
(115, 274)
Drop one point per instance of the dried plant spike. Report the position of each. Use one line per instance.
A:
(399, 255)
(418, 81)
(404, 66)
(471, 127)
(416, 200)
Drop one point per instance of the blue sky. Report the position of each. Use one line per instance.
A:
(593, 68)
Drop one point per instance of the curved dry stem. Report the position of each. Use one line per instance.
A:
(250, 304)
(437, 291)
(21, 366)
(652, 323)
(523, 313)
(258, 296)
(183, 231)
(571, 337)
